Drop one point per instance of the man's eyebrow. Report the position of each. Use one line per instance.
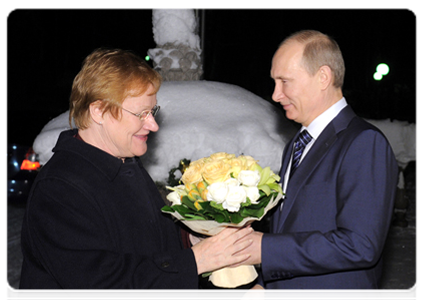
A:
(279, 77)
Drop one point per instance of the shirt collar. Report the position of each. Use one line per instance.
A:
(319, 124)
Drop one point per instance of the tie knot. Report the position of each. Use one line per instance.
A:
(304, 138)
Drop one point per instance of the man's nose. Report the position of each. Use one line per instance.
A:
(278, 93)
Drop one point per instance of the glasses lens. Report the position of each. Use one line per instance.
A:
(155, 110)
(145, 114)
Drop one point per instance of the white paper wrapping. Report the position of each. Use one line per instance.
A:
(227, 277)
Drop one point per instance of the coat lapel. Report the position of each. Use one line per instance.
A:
(310, 162)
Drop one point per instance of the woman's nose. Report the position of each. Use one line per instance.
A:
(151, 124)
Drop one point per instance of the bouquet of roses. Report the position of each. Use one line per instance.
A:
(224, 190)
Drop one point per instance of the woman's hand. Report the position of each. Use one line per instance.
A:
(221, 250)
(257, 292)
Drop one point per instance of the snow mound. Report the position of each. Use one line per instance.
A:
(402, 137)
(47, 138)
(196, 119)
(199, 118)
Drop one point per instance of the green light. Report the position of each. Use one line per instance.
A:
(147, 58)
(382, 69)
(377, 76)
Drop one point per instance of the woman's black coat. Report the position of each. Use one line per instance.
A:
(94, 222)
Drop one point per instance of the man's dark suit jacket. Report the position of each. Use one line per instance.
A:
(336, 213)
(94, 222)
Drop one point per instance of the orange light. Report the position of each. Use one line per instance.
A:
(30, 165)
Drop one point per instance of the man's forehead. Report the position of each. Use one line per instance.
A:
(287, 58)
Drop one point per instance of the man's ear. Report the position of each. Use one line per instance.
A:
(325, 77)
(96, 112)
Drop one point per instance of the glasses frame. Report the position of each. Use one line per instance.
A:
(153, 112)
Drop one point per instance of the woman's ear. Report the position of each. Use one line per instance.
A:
(325, 77)
(96, 112)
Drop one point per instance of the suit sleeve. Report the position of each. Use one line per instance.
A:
(72, 240)
(364, 188)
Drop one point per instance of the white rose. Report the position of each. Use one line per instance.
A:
(236, 195)
(174, 198)
(217, 192)
(249, 178)
(252, 193)
(232, 182)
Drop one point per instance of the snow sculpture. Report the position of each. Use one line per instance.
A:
(177, 56)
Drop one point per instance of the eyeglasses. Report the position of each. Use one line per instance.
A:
(146, 113)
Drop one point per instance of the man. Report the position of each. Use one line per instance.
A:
(331, 228)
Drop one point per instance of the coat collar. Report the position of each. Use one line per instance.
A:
(106, 163)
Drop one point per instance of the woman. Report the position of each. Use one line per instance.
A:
(93, 218)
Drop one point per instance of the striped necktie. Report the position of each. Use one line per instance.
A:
(303, 139)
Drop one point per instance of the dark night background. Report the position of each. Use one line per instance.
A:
(46, 49)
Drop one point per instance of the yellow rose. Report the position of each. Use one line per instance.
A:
(216, 171)
(237, 165)
(198, 205)
(192, 174)
(248, 161)
(204, 194)
(194, 195)
(201, 186)
(221, 156)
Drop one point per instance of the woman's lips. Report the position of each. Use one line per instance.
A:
(142, 137)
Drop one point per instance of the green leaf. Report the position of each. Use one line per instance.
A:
(182, 210)
(194, 217)
(186, 201)
(270, 180)
(263, 202)
(276, 187)
(246, 203)
(250, 212)
(264, 176)
(167, 209)
(221, 218)
(265, 189)
(236, 218)
(217, 206)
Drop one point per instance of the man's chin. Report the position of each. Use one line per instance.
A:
(291, 116)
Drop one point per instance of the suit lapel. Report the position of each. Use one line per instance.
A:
(310, 161)
(286, 155)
